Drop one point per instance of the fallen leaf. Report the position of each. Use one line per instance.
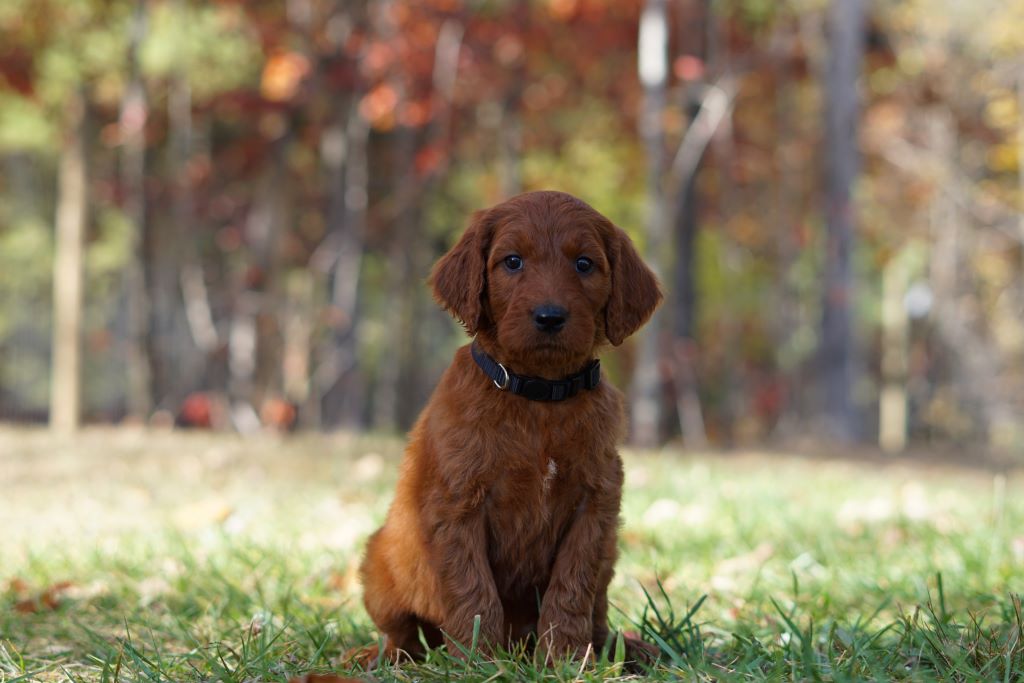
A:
(26, 607)
(330, 678)
(48, 600)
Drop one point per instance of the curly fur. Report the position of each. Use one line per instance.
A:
(508, 509)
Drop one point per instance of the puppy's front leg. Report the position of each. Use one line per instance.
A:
(582, 569)
(459, 549)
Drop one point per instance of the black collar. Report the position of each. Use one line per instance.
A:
(537, 388)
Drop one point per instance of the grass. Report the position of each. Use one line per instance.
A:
(140, 556)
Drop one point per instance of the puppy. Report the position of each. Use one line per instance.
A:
(507, 505)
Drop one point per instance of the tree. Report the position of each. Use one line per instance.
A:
(653, 65)
(66, 375)
(846, 27)
(134, 113)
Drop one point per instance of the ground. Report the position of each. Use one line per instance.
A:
(157, 556)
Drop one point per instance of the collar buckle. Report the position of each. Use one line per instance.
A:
(503, 385)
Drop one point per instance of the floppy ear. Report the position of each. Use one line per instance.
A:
(459, 277)
(635, 290)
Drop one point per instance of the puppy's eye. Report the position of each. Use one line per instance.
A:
(584, 265)
(514, 262)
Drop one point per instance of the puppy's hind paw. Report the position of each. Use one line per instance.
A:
(369, 657)
(639, 653)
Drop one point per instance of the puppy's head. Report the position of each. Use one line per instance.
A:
(546, 279)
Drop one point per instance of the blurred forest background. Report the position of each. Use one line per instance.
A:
(223, 213)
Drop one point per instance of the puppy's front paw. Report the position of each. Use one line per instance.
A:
(459, 633)
(567, 638)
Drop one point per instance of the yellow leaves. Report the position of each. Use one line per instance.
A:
(1003, 113)
(884, 80)
(1002, 110)
(1007, 327)
(1003, 158)
(1007, 29)
(996, 268)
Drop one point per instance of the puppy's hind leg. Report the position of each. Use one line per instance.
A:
(392, 615)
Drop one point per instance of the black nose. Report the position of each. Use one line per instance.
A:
(549, 318)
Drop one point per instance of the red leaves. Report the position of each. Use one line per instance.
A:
(688, 68)
(378, 106)
(430, 158)
(16, 72)
(45, 601)
(278, 414)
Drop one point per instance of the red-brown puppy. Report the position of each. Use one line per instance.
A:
(508, 503)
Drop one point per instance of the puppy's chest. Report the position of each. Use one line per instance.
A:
(538, 478)
(541, 461)
(535, 492)
(547, 458)
(542, 457)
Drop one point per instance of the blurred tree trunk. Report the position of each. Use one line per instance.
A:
(408, 306)
(405, 388)
(977, 366)
(254, 345)
(438, 142)
(387, 375)
(401, 343)
(338, 380)
(297, 318)
(892, 403)
(842, 109)
(66, 377)
(684, 289)
(684, 304)
(683, 295)
(194, 371)
(789, 195)
(173, 359)
(697, 31)
(134, 112)
(646, 388)
(186, 334)
(1020, 152)
(197, 267)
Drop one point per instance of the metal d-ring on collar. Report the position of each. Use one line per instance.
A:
(503, 384)
(537, 388)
